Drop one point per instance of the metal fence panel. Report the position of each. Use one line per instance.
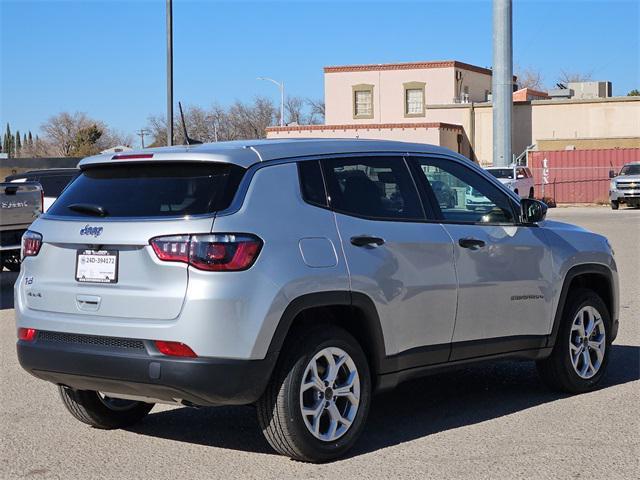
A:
(577, 176)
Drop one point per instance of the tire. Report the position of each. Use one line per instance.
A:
(614, 205)
(516, 192)
(557, 371)
(95, 410)
(531, 195)
(280, 407)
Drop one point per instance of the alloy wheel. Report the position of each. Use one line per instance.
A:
(330, 394)
(587, 342)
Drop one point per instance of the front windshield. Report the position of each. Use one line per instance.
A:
(630, 170)
(501, 172)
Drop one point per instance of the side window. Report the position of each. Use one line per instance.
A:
(311, 183)
(464, 196)
(521, 173)
(376, 188)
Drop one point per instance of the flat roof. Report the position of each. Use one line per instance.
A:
(248, 152)
(366, 126)
(406, 66)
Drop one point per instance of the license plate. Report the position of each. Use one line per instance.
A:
(97, 266)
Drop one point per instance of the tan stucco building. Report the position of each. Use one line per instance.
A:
(447, 103)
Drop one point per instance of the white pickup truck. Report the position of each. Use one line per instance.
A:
(20, 205)
(519, 179)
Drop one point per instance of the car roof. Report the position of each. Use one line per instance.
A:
(43, 172)
(248, 152)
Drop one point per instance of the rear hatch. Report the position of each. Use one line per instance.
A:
(96, 257)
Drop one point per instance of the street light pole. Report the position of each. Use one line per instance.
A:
(502, 82)
(281, 87)
(169, 73)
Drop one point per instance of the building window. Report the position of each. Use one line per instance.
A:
(362, 101)
(414, 100)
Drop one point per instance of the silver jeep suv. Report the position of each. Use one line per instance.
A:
(302, 276)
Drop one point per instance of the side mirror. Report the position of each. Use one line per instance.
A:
(612, 174)
(533, 211)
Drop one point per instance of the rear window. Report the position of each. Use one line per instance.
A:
(501, 172)
(53, 185)
(151, 190)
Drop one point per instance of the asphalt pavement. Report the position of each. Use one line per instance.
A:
(492, 421)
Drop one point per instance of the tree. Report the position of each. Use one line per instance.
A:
(30, 140)
(18, 143)
(72, 134)
(7, 142)
(570, 77)
(530, 78)
(634, 93)
(61, 131)
(294, 110)
(85, 142)
(317, 111)
(242, 120)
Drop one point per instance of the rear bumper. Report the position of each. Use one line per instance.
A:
(199, 381)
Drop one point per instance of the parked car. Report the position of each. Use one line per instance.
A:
(301, 276)
(516, 178)
(19, 206)
(625, 187)
(53, 181)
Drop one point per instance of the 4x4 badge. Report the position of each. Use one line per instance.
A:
(93, 231)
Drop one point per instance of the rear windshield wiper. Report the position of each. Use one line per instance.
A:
(89, 209)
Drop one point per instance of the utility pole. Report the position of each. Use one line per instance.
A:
(141, 133)
(502, 82)
(169, 72)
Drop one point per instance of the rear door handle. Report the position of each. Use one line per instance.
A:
(364, 240)
(472, 243)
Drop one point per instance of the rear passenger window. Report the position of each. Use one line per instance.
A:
(376, 188)
(311, 183)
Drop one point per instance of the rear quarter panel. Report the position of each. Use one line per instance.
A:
(301, 254)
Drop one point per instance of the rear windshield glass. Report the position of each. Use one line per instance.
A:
(150, 190)
(501, 172)
(53, 185)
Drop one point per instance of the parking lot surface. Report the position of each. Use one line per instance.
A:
(489, 421)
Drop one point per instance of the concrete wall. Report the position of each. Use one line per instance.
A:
(540, 122)
(441, 87)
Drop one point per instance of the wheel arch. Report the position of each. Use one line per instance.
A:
(353, 311)
(596, 277)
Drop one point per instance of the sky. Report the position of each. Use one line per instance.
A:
(108, 58)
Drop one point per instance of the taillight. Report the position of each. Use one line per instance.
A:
(31, 243)
(174, 349)
(172, 249)
(215, 252)
(27, 334)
